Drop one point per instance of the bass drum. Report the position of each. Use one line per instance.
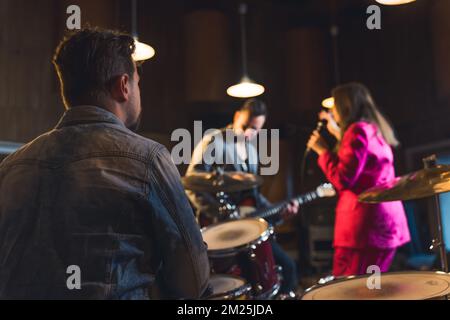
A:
(414, 285)
(228, 287)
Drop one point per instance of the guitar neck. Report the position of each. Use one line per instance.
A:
(271, 211)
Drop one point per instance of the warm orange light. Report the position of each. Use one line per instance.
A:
(328, 103)
(142, 51)
(394, 2)
(245, 89)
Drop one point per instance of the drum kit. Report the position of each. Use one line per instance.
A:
(241, 255)
(239, 250)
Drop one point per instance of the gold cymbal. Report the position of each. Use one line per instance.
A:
(416, 185)
(229, 181)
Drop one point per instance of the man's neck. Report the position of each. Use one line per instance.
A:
(117, 110)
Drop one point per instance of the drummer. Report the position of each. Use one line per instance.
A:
(247, 122)
(365, 234)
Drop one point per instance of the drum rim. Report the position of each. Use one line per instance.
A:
(264, 236)
(244, 289)
(270, 293)
(345, 278)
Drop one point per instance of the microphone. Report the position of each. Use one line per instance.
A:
(319, 126)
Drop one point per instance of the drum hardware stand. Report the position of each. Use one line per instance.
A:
(437, 244)
(227, 209)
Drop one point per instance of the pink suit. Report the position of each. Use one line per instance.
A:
(364, 160)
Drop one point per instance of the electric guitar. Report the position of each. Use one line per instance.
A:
(246, 208)
(325, 190)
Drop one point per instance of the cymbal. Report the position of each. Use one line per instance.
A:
(229, 181)
(416, 185)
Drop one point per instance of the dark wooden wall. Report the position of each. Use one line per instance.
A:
(28, 94)
(29, 32)
(197, 43)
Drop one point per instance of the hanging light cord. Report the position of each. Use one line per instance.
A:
(134, 18)
(242, 13)
(334, 32)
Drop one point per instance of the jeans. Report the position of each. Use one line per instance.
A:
(289, 272)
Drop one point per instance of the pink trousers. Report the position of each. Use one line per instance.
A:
(349, 261)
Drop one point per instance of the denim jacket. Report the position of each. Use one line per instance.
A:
(94, 197)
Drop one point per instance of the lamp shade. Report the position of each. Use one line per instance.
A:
(245, 89)
(394, 2)
(328, 103)
(142, 51)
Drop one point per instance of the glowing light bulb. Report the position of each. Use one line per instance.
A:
(245, 89)
(328, 103)
(142, 51)
(394, 2)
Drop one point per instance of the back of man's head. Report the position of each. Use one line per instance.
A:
(88, 61)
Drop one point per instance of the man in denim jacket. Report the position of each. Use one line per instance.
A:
(90, 209)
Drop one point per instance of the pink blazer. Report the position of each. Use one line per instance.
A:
(364, 160)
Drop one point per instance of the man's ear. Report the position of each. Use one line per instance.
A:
(120, 88)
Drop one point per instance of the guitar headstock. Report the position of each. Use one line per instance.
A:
(326, 190)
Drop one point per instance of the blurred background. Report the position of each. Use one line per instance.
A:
(298, 49)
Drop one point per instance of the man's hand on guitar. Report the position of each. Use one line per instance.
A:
(290, 210)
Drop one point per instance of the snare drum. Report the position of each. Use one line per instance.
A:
(414, 285)
(228, 287)
(242, 248)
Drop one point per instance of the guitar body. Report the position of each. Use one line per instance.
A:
(246, 207)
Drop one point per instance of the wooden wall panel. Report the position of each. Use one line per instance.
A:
(207, 58)
(28, 95)
(440, 27)
(308, 68)
(29, 32)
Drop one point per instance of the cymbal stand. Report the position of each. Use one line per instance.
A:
(438, 243)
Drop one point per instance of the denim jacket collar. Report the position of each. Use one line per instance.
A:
(87, 114)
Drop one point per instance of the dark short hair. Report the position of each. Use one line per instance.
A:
(255, 107)
(87, 62)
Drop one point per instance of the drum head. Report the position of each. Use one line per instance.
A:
(234, 234)
(394, 286)
(228, 287)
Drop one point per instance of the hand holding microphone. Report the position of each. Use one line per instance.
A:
(320, 124)
(331, 124)
(316, 143)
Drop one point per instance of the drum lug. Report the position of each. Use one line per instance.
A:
(258, 289)
(326, 279)
(278, 269)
